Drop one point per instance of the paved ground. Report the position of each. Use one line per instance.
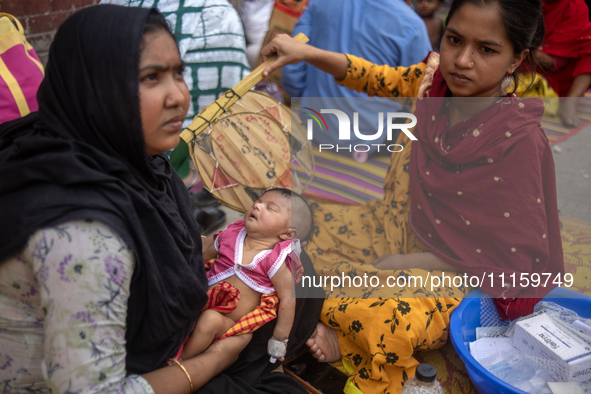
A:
(573, 177)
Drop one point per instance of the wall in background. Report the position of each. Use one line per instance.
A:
(41, 18)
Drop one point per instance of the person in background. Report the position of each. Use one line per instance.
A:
(211, 40)
(565, 55)
(255, 16)
(101, 269)
(383, 31)
(426, 10)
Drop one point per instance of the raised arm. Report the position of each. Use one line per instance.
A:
(290, 51)
(350, 71)
(383, 81)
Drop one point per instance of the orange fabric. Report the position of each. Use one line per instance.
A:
(224, 298)
(208, 264)
(252, 321)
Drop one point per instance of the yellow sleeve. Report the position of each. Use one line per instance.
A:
(383, 81)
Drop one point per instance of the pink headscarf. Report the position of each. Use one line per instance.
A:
(483, 193)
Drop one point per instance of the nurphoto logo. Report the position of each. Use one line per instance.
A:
(395, 121)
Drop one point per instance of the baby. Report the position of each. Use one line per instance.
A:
(254, 259)
(426, 10)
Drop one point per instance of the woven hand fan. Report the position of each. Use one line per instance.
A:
(247, 142)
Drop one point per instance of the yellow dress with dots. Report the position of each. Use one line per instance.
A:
(380, 328)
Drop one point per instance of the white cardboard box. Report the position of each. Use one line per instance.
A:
(565, 388)
(486, 347)
(541, 336)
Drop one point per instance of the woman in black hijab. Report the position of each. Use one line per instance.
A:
(97, 228)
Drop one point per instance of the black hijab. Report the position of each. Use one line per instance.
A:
(82, 156)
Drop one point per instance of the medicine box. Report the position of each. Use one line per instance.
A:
(544, 337)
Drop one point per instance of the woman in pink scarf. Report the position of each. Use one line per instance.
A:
(475, 194)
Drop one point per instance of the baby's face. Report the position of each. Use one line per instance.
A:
(270, 215)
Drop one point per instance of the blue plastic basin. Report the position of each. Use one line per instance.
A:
(466, 317)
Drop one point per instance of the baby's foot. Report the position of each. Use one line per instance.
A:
(324, 344)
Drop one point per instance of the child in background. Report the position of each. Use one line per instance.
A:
(566, 54)
(254, 259)
(426, 10)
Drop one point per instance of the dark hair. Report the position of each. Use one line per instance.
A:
(155, 22)
(291, 194)
(523, 21)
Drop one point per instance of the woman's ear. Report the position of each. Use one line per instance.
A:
(517, 61)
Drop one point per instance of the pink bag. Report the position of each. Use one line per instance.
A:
(21, 71)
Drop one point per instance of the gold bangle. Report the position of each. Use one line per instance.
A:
(185, 371)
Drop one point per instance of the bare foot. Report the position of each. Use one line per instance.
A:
(324, 344)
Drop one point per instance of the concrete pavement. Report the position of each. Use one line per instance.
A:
(573, 175)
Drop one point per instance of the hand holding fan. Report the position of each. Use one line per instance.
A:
(246, 142)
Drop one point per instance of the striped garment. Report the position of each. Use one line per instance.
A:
(211, 42)
(224, 298)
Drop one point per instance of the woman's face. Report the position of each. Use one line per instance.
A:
(164, 96)
(476, 53)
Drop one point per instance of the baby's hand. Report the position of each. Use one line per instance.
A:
(276, 349)
(208, 264)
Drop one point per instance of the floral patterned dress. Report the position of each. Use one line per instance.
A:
(63, 308)
(379, 328)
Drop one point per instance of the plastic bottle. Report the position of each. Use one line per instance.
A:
(424, 381)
